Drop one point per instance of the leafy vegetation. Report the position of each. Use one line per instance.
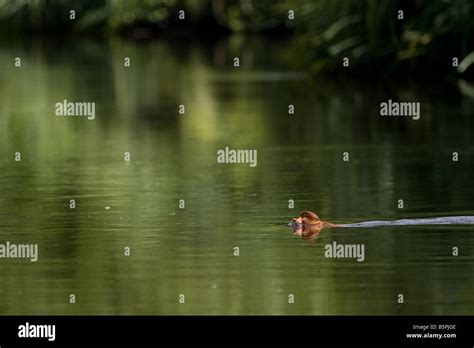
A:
(373, 34)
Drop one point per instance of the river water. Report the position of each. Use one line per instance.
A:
(228, 208)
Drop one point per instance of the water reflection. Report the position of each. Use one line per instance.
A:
(173, 157)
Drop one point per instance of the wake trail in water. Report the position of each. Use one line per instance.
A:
(448, 220)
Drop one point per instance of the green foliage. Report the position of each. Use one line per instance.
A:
(367, 31)
(371, 31)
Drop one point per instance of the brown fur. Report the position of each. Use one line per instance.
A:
(308, 225)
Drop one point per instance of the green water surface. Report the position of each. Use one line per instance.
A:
(191, 251)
